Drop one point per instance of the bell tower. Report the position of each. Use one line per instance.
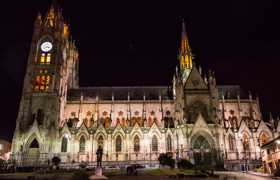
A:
(52, 68)
(185, 55)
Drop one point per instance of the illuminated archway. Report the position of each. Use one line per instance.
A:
(150, 122)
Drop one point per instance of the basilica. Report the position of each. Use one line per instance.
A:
(193, 118)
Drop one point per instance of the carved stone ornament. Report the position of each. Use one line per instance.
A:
(195, 81)
(83, 128)
(119, 127)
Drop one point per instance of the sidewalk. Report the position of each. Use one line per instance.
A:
(260, 174)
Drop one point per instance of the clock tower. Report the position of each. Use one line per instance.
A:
(52, 68)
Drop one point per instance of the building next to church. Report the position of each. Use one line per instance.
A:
(271, 156)
(5, 150)
(219, 125)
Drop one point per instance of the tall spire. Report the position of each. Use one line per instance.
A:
(185, 57)
(185, 47)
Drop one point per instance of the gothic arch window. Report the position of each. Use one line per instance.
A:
(168, 143)
(150, 122)
(64, 144)
(139, 121)
(245, 142)
(166, 122)
(107, 122)
(247, 120)
(264, 139)
(123, 122)
(102, 121)
(133, 121)
(42, 87)
(155, 120)
(230, 125)
(43, 57)
(136, 144)
(37, 84)
(48, 59)
(236, 121)
(40, 117)
(197, 108)
(69, 122)
(171, 122)
(154, 143)
(82, 144)
(117, 120)
(230, 142)
(100, 142)
(201, 142)
(47, 83)
(86, 122)
(118, 143)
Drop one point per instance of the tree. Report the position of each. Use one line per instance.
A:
(56, 160)
(166, 159)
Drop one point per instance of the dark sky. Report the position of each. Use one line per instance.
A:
(125, 43)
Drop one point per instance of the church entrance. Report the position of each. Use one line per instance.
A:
(33, 154)
(202, 151)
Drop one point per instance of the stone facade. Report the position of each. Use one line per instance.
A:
(221, 125)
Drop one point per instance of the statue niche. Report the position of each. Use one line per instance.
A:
(195, 109)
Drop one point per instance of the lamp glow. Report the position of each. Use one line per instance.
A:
(278, 142)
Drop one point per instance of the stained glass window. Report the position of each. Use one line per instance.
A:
(64, 144)
(264, 139)
(168, 144)
(100, 142)
(154, 143)
(150, 122)
(246, 142)
(133, 121)
(230, 142)
(120, 113)
(104, 113)
(82, 144)
(119, 143)
(123, 122)
(107, 122)
(136, 113)
(168, 112)
(136, 143)
(152, 112)
(139, 120)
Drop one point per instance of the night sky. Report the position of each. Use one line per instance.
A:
(136, 43)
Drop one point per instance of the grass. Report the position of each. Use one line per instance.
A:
(58, 175)
(168, 172)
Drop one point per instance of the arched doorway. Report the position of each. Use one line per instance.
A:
(202, 151)
(33, 153)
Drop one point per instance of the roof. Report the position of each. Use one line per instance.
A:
(120, 93)
(230, 92)
(270, 142)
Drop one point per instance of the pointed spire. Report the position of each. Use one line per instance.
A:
(185, 55)
(185, 47)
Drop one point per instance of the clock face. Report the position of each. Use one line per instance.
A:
(46, 46)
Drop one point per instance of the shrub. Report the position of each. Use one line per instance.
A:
(166, 159)
(56, 161)
(83, 165)
(79, 174)
(184, 164)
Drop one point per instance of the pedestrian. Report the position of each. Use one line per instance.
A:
(127, 169)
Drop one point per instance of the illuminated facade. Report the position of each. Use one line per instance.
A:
(221, 125)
